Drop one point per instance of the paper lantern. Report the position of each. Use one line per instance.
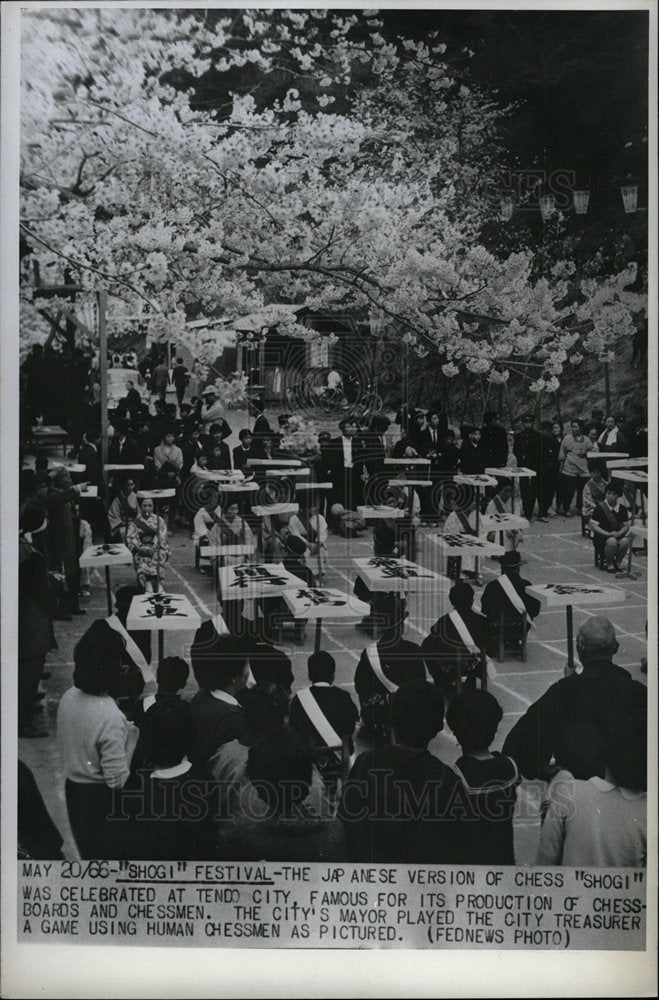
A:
(546, 205)
(507, 206)
(581, 199)
(630, 197)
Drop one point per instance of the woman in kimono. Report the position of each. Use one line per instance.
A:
(147, 540)
(310, 525)
(234, 530)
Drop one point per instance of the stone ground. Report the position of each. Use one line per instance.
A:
(554, 552)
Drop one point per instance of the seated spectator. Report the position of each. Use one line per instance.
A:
(280, 769)
(168, 461)
(123, 509)
(601, 822)
(244, 451)
(456, 638)
(217, 714)
(219, 457)
(609, 523)
(383, 667)
(322, 713)
(310, 525)
(396, 804)
(507, 596)
(490, 780)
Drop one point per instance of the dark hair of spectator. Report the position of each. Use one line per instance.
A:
(417, 713)
(172, 674)
(625, 751)
(280, 770)
(41, 463)
(226, 660)
(124, 595)
(321, 667)
(244, 433)
(98, 657)
(474, 716)
(215, 429)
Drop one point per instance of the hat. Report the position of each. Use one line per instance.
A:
(208, 390)
(511, 558)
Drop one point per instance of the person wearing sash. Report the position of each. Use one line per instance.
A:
(234, 530)
(609, 523)
(501, 503)
(456, 637)
(507, 595)
(382, 668)
(138, 643)
(310, 526)
(171, 677)
(323, 713)
(217, 714)
(462, 520)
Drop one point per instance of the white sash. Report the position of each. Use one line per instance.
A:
(317, 718)
(148, 702)
(376, 667)
(133, 650)
(513, 596)
(463, 632)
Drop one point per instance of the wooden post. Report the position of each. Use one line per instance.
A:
(108, 589)
(570, 638)
(319, 629)
(101, 304)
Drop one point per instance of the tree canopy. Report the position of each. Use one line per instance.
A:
(214, 163)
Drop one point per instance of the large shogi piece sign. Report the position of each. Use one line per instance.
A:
(382, 574)
(255, 581)
(566, 595)
(162, 613)
(114, 554)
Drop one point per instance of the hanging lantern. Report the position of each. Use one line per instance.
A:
(376, 322)
(547, 205)
(581, 199)
(507, 207)
(629, 194)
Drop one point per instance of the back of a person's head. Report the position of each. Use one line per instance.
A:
(321, 667)
(266, 710)
(41, 463)
(168, 732)
(32, 518)
(596, 640)
(172, 674)
(417, 713)
(474, 716)
(98, 657)
(280, 769)
(461, 596)
(123, 596)
(228, 658)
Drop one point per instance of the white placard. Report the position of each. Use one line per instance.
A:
(214, 551)
(410, 482)
(268, 510)
(512, 472)
(407, 461)
(381, 511)
(177, 613)
(627, 463)
(155, 494)
(503, 521)
(49, 430)
(593, 455)
(314, 486)
(384, 574)
(324, 602)
(128, 467)
(477, 479)
(113, 554)
(462, 544)
(217, 476)
(237, 487)
(275, 463)
(288, 472)
(630, 475)
(91, 493)
(561, 594)
(248, 581)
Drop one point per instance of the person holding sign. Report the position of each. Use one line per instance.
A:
(507, 596)
(147, 540)
(381, 670)
(609, 523)
(323, 713)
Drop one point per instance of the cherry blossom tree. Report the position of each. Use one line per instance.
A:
(361, 184)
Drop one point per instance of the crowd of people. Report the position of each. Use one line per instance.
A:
(271, 769)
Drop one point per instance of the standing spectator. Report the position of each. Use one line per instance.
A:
(490, 780)
(36, 606)
(180, 379)
(527, 454)
(160, 381)
(573, 464)
(122, 449)
(64, 535)
(96, 743)
(597, 421)
(494, 441)
(417, 430)
(212, 412)
(611, 438)
(147, 540)
(395, 804)
(472, 460)
(261, 426)
(343, 464)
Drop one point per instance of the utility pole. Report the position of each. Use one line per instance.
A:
(101, 303)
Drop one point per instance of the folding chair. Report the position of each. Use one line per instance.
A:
(512, 622)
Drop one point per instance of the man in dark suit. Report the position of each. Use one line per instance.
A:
(215, 440)
(471, 453)
(330, 703)
(507, 595)
(343, 461)
(528, 452)
(123, 450)
(456, 637)
(494, 441)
